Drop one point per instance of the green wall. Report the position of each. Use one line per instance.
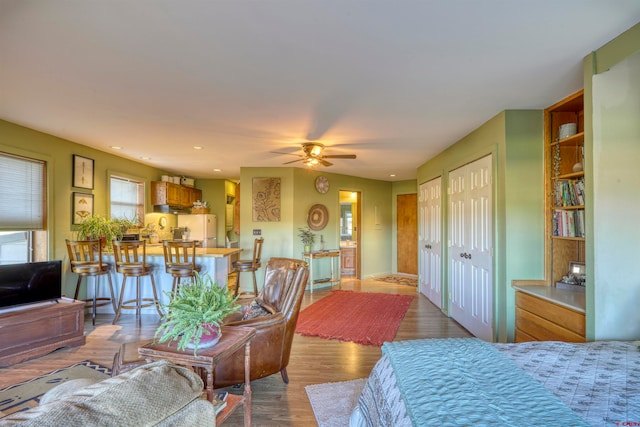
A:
(514, 138)
(298, 195)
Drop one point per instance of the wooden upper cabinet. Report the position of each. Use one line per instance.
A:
(189, 195)
(168, 193)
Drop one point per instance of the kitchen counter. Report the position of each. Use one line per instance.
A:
(348, 245)
(214, 262)
(156, 250)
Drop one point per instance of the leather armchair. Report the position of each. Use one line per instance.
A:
(284, 285)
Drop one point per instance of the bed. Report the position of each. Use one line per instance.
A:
(465, 381)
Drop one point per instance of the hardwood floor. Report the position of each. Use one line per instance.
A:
(313, 360)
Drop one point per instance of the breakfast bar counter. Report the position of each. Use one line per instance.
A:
(214, 262)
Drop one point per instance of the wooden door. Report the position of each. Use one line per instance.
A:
(471, 247)
(430, 240)
(407, 223)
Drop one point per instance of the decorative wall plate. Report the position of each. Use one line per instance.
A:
(318, 217)
(322, 184)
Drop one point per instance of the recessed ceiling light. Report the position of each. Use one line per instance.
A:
(197, 147)
(217, 170)
(116, 147)
(145, 158)
(392, 175)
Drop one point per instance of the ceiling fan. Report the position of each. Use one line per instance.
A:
(313, 155)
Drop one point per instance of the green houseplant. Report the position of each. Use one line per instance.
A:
(96, 227)
(196, 310)
(307, 238)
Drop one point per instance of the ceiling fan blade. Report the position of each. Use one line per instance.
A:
(288, 154)
(340, 156)
(324, 162)
(293, 161)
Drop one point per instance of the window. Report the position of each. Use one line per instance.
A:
(23, 209)
(127, 198)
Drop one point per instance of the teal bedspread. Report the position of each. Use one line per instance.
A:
(467, 382)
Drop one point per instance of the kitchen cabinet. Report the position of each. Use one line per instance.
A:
(168, 193)
(348, 261)
(189, 195)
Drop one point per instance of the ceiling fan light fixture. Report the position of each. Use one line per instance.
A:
(312, 148)
(311, 162)
(316, 149)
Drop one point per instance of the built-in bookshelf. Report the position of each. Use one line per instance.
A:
(565, 184)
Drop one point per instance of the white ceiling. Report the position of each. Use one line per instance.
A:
(394, 82)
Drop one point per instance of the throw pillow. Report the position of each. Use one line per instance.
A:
(254, 310)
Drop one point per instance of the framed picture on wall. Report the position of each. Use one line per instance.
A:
(82, 172)
(82, 207)
(266, 199)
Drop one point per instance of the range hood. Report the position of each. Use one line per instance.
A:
(170, 209)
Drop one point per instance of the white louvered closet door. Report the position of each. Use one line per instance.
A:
(470, 247)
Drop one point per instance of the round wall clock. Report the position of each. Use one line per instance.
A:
(322, 184)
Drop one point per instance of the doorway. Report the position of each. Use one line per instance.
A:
(350, 233)
(407, 233)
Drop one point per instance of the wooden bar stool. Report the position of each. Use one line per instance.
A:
(245, 265)
(85, 259)
(131, 256)
(180, 260)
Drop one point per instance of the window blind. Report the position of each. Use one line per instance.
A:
(22, 193)
(127, 199)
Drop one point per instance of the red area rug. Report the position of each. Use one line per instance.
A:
(360, 317)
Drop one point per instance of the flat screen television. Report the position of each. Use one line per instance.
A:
(30, 282)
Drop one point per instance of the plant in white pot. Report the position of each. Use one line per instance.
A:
(307, 238)
(195, 313)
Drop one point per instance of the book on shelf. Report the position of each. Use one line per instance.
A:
(569, 192)
(218, 404)
(568, 223)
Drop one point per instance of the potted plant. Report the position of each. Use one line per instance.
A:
(195, 312)
(96, 227)
(307, 238)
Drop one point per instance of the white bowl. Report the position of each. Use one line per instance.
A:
(567, 130)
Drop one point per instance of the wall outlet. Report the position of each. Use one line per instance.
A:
(257, 232)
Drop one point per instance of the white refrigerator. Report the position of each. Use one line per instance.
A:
(201, 227)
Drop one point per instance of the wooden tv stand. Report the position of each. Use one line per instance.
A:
(38, 329)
